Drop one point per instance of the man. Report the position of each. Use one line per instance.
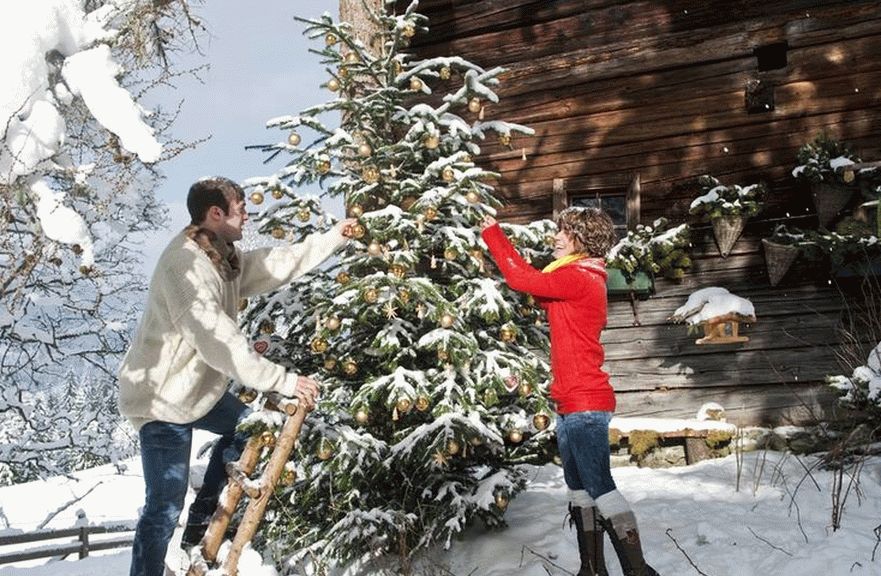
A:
(188, 345)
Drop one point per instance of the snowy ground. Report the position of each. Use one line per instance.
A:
(693, 521)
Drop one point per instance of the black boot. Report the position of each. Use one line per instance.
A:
(192, 535)
(590, 540)
(625, 539)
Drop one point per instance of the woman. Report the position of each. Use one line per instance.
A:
(572, 289)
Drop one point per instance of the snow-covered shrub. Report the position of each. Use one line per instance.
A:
(862, 389)
(719, 200)
(655, 250)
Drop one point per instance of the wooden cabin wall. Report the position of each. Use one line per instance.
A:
(657, 87)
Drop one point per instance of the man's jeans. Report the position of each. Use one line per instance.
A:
(583, 441)
(165, 455)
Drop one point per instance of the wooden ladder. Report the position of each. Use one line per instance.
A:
(240, 484)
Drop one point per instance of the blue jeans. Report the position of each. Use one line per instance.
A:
(165, 455)
(583, 441)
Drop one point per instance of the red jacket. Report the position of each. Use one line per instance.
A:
(574, 297)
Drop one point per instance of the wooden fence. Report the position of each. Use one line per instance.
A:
(82, 546)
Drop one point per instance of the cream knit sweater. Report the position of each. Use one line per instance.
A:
(188, 343)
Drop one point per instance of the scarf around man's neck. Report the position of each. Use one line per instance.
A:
(222, 254)
(560, 262)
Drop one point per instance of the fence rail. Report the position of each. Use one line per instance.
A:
(82, 546)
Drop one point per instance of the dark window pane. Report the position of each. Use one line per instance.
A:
(615, 206)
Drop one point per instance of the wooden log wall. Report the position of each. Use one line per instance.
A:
(658, 87)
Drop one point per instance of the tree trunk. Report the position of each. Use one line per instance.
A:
(365, 29)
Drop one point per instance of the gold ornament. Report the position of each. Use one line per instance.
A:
(443, 355)
(415, 84)
(447, 320)
(430, 213)
(397, 67)
(453, 446)
(848, 176)
(370, 174)
(474, 104)
(404, 404)
(447, 174)
(515, 436)
(323, 166)
(358, 231)
(398, 270)
(330, 364)
(490, 397)
(247, 395)
(332, 323)
(277, 193)
(333, 84)
(267, 327)
(507, 334)
(356, 210)
(431, 142)
(408, 30)
(370, 295)
(343, 72)
(476, 441)
(364, 150)
(243, 304)
(445, 73)
(351, 58)
(278, 232)
(350, 367)
(330, 39)
(451, 254)
(343, 278)
(501, 501)
(374, 248)
(404, 295)
(423, 403)
(257, 198)
(325, 450)
(525, 389)
(267, 438)
(472, 197)
(293, 139)
(303, 214)
(362, 416)
(505, 139)
(466, 158)
(288, 476)
(319, 345)
(541, 421)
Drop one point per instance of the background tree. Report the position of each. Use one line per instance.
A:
(78, 159)
(433, 394)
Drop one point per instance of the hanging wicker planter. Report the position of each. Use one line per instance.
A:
(778, 259)
(829, 200)
(727, 230)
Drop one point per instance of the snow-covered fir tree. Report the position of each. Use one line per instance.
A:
(433, 371)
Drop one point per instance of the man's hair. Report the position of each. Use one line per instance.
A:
(208, 192)
(592, 230)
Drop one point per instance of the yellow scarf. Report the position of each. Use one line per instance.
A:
(560, 262)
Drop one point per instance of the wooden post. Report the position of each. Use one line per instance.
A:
(560, 200)
(256, 507)
(84, 542)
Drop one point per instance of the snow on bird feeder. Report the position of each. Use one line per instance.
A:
(719, 312)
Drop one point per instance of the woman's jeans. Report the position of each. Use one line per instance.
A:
(583, 441)
(165, 455)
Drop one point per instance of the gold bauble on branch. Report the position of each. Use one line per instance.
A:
(472, 196)
(374, 248)
(358, 231)
(319, 345)
(370, 174)
(356, 210)
(430, 213)
(422, 403)
(303, 214)
(443, 355)
(541, 421)
(408, 31)
(848, 176)
(398, 270)
(447, 320)
(447, 174)
(507, 334)
(364, 150)
(330, 39)
(404, 295)
(343, 72)
(362, 416)
(451, 254)
(277, 193)
(343, 278)
(278, 232)
(257, 198)
(333, 84)
(247, 395)
(288, 476)
(415, 84)
(370, 295)
(330, 364)
(325, 450)
(445, 73)
(490, 397)
(453, 446)
(501, 501)
(404, 404)
(294, 139)
(351, 58)
(397, 67)
(431, 142)
(524, 389)
(332, 323)
(267, 327)
(474, 104)
(515, 436)
(476, 441)
(505, 139)
(323, 166)
(267, 438)
(350, 367)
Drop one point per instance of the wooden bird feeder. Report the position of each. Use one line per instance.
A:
(723, 330)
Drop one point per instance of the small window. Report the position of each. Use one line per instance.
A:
(615, 205)
(771, 56)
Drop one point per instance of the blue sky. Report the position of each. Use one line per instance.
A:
(260, 68)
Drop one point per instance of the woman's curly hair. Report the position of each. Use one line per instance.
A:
(592, 230)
